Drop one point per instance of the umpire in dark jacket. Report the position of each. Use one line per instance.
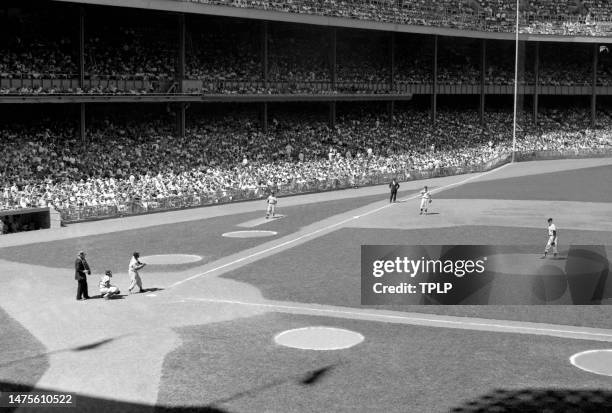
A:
(394, 186)
(81, 270)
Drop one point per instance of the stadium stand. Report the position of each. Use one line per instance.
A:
(564, 17)
(143, 164)
(224, 53)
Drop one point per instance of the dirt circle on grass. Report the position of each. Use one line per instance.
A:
(594, 361)
(249, 234)
(170, 259)
(318, 338)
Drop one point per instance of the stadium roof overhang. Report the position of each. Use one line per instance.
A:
(248, 13)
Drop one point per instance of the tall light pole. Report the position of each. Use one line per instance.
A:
(516, 53)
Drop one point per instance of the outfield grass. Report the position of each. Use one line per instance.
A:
(580, 185)
(237, 367)
(327, 271)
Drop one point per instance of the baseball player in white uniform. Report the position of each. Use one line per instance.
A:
(553, 239)
(107, 290)
(425, 200)
(135, 265)
(271, 205)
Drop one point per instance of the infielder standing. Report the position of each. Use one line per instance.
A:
(135, 265)
(271, 205)
(425, 200)
(552, 239)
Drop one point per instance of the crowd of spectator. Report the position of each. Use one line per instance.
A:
(563, 17)
(41, 43)
(125, 54)
(222, 51)
(144, 163)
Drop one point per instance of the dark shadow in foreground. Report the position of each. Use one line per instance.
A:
(306, 379)
(503, 401)
(44, 356)
(93, 404)
(540, 400)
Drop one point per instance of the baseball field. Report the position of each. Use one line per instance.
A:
(224, 287)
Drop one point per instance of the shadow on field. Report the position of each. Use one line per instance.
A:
(305, 379)
(44, 356)
(540, 400)
(94, 404)
(503, 401)
(92, 346)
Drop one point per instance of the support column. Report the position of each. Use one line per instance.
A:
(392, 62)
(391, 105)
(332, 114)
(536, 93)
(81, 47)
(483, 73)
(82, 120)
(264, 117)
(180, 120)
(180, 72)
(82, 123)
(594, 86)
(333, 44)
(180, 76)
(264, 52)
(264, 40)
(434, 92)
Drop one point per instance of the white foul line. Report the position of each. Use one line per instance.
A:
(310, 234)
(433, 321)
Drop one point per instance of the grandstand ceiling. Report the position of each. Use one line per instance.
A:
(178, 6)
